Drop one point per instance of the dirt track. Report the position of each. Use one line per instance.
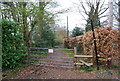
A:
(38, 72)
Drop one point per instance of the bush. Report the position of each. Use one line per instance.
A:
(66, 44)
(13, 47)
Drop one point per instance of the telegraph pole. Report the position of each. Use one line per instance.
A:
(119, 32)
(110, 13)
(67, 28)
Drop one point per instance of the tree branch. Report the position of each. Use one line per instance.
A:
(103, 12)
(84, 8)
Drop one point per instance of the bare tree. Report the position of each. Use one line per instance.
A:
(116, 9)
(93, 9)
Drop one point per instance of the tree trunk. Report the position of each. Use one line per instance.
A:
(25, 27)
(41, 19)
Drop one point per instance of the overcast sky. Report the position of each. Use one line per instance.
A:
(74, 17)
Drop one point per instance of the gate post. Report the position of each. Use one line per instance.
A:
(75, 50)
(75, 59)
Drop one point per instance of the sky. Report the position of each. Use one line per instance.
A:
(74, 17)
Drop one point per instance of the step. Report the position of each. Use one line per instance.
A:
(83, 56)
(87, 64)
(78, 64)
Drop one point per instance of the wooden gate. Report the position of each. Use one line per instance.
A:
(56, 58)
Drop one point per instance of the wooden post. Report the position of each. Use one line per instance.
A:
(92, 53)
(75, 50)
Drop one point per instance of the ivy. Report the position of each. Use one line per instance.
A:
(12, 45)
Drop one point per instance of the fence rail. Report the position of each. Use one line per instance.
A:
(34, 52)
(53, 56)
(83, 56)
(34, 59)
(55, 63)
(63, 49)
(58, 59)
(37, 48)
(53, 66)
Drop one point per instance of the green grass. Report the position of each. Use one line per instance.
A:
(83, 59)
(41, 54)
(71, 55)
(119, 71)
(106, 68)
(56, 46)
(0, 63)
(68, 51)
(45, 54)
(85, 68)
(73, 69)
(114, 67)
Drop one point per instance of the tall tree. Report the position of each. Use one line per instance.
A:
(32, 17)
(116, 9)
(94, 10)
(44, 18)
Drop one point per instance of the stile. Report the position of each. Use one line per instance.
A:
(87, 64)
(83, 56)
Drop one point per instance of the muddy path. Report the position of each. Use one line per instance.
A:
(41, 72)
